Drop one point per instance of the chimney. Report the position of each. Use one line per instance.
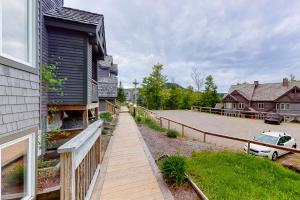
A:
(285, 82)
(256, 83)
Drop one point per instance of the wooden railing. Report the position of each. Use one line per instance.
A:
(242, 113)
(110, 107)
(80, 160)
(160, 119)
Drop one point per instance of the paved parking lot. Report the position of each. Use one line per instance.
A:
(238, 127)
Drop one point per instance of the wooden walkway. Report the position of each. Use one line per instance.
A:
(128, 174)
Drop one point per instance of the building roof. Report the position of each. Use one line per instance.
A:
(71, 14)
(263, 92)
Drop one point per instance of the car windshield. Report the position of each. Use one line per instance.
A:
(266, 139)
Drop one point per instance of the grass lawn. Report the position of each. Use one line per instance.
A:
(227, 175)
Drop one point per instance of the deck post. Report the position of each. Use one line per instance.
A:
(67, 173)
(85, 118)
(97, 113)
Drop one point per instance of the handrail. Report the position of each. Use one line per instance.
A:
(80, 163)
(205, 133)
(110, 107)
(239, 113)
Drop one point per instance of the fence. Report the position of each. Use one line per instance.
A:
(243, 114)
(80, 160)
(110, 107)
(160, 119)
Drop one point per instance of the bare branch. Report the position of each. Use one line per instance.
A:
(197, 78)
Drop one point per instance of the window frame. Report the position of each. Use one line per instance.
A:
(261, 106)
(30, 163)
(241, 105)
(11, 61)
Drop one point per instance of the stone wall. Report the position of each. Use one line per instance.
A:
(19, 100)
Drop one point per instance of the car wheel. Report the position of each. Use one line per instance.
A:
(295, 146)
(266, 121)
(274, 156)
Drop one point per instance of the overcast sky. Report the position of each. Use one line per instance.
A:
(235, 41)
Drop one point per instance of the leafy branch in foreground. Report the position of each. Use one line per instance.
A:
(49, 77)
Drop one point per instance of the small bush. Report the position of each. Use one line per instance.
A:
(106, 116)
(138, 119)
(173, 169)
(16, 175)
(172, 133)
(47, 163)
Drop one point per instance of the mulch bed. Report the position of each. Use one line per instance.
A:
(160, 144)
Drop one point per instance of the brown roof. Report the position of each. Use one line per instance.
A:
(263, 92)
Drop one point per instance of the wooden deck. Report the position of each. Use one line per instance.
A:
(128, 174)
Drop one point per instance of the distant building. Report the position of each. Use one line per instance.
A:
(131, 94)
(281, 97)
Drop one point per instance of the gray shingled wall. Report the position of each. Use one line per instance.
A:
(19, 100)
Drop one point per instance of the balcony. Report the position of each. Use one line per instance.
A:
(107, 87)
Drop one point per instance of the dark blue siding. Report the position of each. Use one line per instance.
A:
(67, 49)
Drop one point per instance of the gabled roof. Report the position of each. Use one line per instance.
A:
(71, 14)
(246, 90)
(263, 92)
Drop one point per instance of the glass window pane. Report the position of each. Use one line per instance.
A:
(14, 171)
(15, 29)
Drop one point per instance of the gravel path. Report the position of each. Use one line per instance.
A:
(159, 144)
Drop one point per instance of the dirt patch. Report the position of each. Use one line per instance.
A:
(159, 145)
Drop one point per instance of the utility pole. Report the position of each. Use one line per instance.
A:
(135, 83)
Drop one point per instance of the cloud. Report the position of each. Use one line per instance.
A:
(233, 40)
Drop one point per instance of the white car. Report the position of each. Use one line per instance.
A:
(275, 138)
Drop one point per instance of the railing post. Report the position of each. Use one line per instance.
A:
(248, 147)
(168, 124)
(67, 176)
(182, 133)
(160, 122)
(204, 137)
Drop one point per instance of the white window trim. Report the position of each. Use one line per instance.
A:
(30, 164)
(31, 36)
(241, 105)
(261, 106)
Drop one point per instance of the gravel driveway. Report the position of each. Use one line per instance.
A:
(239, 127)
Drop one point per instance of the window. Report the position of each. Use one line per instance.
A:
(260, 105)
(284, 106)
(241, 105)
(277, 106)
(17, 31)
(17, 168)
(234, 105)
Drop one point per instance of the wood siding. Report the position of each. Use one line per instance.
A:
(268, 106)
(89, 72)
(67, 49)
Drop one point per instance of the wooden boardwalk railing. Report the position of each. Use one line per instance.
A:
(80, 163)
(110, 107)
(160, 119)
(242, 113)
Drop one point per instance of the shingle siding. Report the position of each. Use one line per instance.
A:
(19, 100)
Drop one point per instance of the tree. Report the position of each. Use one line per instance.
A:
(174, 97)
(153, 88)
(121, 94)
(210, 95)
(198, 80)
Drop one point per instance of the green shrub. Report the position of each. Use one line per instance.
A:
(139, 119)
(172, 133)
(47, 163)
(106, 116)
(16, 175)
(173, 169)
(153, 124)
